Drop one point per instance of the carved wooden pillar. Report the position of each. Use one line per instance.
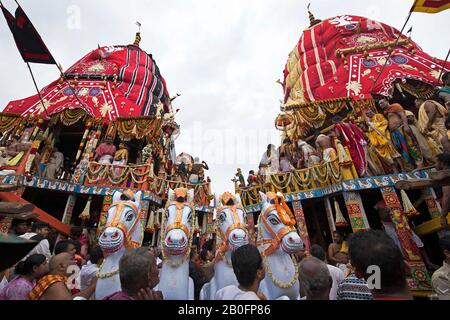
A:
(356, 212)
(67, 216)
(107, 201)
(420, 277)
(301, 223)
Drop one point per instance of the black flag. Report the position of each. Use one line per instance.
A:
(28, 40)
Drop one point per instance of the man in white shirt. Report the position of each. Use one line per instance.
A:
(89, 270)
(39, 232)
(249, 270)
(336, 274)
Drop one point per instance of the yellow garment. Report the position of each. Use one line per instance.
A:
(438, 130)
(329, 154)
(345, 161)
(121, 155)
(380, 138)
(15, 161)
(344, 247)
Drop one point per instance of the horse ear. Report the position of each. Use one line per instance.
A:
(137, 198)
(171, 195)
(279, 194)
(263, 196)
(190, 196)
(116, 196)
(238, 198)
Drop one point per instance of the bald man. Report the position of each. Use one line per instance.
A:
(315, 279)
(53, 286)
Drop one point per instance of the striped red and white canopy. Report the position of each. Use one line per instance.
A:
(342, 57)
(109, 82)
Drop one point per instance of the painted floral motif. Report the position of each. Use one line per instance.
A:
(105, 108)
(354, 86)
(341, 21)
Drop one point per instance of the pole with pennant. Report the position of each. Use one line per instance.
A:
(418, 6)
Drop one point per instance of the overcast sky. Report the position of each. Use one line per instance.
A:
(223, 57)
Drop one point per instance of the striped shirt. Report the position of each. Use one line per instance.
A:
(353, 288)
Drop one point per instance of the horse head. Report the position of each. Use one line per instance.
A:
(178, 223)
(230, 222)
(123, 226)
(276, 225)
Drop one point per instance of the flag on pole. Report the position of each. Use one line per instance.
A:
(430, 6)
(30, 44)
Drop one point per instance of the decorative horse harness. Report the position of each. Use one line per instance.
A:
(223, 247)
(178, 225)
(115, 222)
(284, 213)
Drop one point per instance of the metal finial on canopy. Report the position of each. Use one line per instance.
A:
(312, 20)
(137, 39)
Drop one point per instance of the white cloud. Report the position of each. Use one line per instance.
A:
(222, 56)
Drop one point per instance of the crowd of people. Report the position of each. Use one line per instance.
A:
(340, 273)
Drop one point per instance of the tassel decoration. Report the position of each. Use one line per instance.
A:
(85, 215)
(408, 207)
(340, 220)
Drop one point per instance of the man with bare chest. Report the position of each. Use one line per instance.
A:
(337, 251)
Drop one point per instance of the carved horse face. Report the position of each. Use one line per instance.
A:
(178, 223)
(123, 224)
(277, 225)
(231, 223)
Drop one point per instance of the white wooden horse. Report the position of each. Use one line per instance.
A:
(176, 238)
(277, 239)
(231, 231)
(123, 230)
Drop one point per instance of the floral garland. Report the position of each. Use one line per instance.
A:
(282, 285)
(139, 128)
(83, 140)
(71, 116)
(108, 172)
(9, 121)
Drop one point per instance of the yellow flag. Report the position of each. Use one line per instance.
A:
(430, 6)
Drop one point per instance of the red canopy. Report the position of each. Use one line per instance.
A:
(110, 82)
(342, 56)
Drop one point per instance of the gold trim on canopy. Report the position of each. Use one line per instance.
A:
(312, 115)
(139, 127)
(69, 117)
(9, 121)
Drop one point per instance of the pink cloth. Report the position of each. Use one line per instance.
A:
(119, 295)
(105, 149)
(17, 289)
